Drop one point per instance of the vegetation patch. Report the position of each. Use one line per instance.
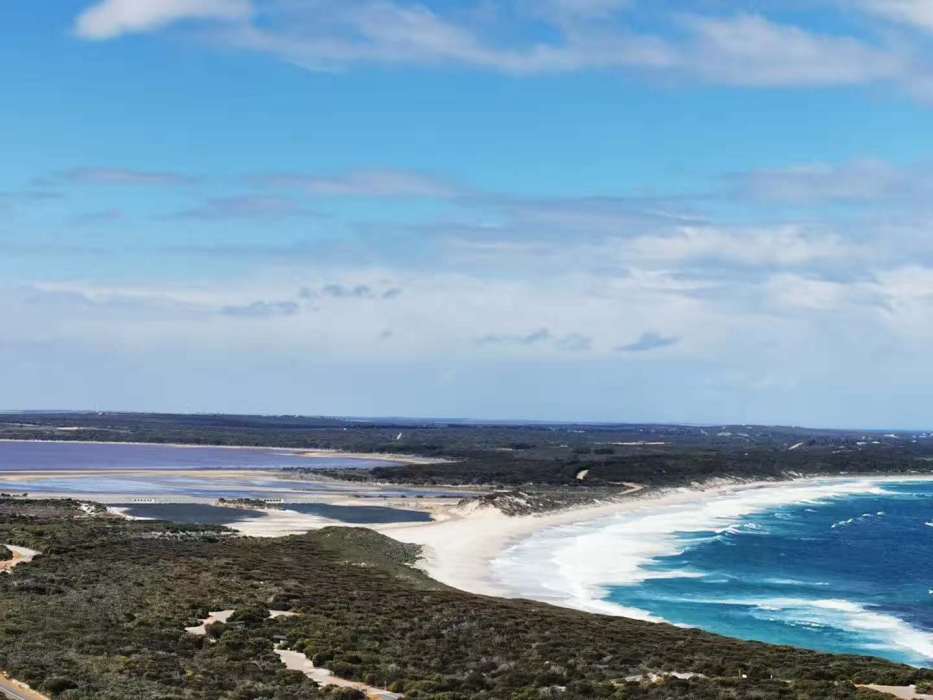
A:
(101, 615)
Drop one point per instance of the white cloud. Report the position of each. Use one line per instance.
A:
(331, 35)
(109, 19)
(780, 246)
(743, 49)
(367, 183)
(917, 13)
(738, 49)
(856, 181)
(116, 176)
(752, 50)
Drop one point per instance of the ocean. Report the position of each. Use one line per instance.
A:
(839, 566)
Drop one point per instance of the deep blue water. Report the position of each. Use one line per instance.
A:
(848, 575)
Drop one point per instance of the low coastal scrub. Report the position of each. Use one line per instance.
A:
(101, 615)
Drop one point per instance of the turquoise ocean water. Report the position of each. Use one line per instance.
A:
(840, 567)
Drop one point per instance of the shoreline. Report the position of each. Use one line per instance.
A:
(460, 547)
(322, 453)
(309, 453)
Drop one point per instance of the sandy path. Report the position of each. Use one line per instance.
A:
(904, 692)
(21, 555)
(10, 688)
(212, 617)
(296, 661)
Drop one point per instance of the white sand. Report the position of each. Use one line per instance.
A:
(380, 456)
(904, 692)
(123, 512)
(458, 550)
(280, 523)
(276, 614)
(216, 616)
(296, 661)
(21, 555)
(16, 689)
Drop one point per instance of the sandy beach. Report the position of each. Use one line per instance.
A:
(460, 546)
(462, 542)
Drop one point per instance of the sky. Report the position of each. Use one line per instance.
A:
(598, 210)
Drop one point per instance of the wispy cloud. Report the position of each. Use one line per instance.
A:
(109, 19)
(914, 13)
(571, 342)
(243, 207)
(539, 336)
(353, 291)
(764, 246)
(858, 181)
(95, 218)
(751, 50)
(8, 199)
(744, 49)
(366, 183)
(574, 342)
(648, 341)
(261, 309)
(116, 176)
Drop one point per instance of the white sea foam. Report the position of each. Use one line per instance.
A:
(852, 521)
(575, 565)
(879, 630)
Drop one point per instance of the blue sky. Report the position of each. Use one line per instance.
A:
(700, 211)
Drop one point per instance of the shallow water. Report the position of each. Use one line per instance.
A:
(78, 463)
(361, 515)
(188, 513)
(840, 567)
(203, 514)
(65, 456)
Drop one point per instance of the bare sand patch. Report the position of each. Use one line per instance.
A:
(217, 616)
(903, 692)
(21, 555)
(10, 687)
(296, 661)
